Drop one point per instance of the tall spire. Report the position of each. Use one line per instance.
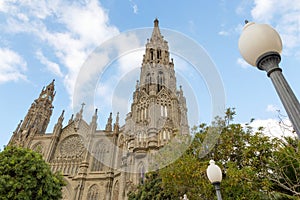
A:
(93, 123)
(157, 40)
(116, 124)
(156, 35)
(48, 92)
(58, 125)
(157, 70)
(108, 126)
(78, 117)
(38, 116)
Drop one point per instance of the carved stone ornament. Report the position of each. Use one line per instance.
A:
(72, 146)
(39, 148)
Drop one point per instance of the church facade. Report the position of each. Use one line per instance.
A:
(107, 164)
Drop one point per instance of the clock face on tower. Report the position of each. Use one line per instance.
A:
(44, 95)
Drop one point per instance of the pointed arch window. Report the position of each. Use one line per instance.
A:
(148, 81)
(166, 135)
(148, 78)
(163, 111)
(116, 191)
(160, 80)
(158, 54)
(99, 157)
(141, 175)
(151, 54)
(93, 193)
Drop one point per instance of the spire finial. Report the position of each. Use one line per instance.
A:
(108, 126)
(95, 117)
(156, 22)
(62, 113)
(71, 119)
(117, 118)
(61, 117)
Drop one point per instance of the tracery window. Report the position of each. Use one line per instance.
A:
(93, 193)
(158, 54)
(151, 54)
(141, 175)
(116, 191)
(101, 152)
(163, 111)
(160, 80)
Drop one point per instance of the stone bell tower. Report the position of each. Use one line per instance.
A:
(156, 98)
(158, 112)
(36, 119)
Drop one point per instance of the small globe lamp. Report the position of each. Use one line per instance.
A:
(214, 175)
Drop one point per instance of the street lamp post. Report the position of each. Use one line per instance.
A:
(214, 175)
(260, 45)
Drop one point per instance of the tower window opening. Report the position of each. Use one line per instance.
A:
(160, 80)
(148, 81)
(142, 174)
(163, 111)
(166, 111)
(145, 113)
(158, 54)
(151, 54)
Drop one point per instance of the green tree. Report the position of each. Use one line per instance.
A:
(25, 175)
(285, 167)
(151, 189)
(254, 166)
(242, 153)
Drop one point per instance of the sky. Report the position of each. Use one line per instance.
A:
(44, 40)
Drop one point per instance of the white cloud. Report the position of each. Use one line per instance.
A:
(263, 10)
(23, 17)
(242, 63)
(72, 30)
(285, 16)
(129, 62)
(135, 9)
(274, 127)
(51, 66)
(134, 6)
(223, 33)
(12, 66)
(114, 91)
(272, 108)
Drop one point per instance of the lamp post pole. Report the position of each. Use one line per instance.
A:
(260, 45)
(269, 63)
(218, 190)
(214, 174)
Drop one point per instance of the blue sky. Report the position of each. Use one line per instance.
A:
(44, 40)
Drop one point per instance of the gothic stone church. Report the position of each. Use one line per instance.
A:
(107, 164)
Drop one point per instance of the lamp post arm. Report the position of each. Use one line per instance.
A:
(269, 63)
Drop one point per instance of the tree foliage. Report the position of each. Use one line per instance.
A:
(25, 175)
(242, 153)
(254, 166)
(151, 189)
(285, 168)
